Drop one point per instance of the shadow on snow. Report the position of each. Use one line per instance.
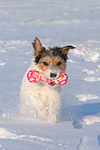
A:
(75, 113)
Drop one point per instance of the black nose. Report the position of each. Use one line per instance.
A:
(53, 75)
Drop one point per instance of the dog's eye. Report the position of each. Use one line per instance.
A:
(59, 63)
(45, 63)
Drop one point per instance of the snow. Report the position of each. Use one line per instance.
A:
(88, 71)
(55, 23)
(84, 97)
(91, 56)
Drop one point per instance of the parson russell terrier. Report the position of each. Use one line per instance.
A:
(41, 84)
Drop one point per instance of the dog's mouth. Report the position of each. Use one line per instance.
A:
(53, 77)
(52, 83)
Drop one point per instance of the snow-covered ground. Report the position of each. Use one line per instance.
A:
(59, 23)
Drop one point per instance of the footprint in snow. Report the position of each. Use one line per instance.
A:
(98, 138)
(82, 144)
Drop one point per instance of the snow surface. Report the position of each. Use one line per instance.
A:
(55, 23)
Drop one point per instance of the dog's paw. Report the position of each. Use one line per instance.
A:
(42, 114)
(52, 119)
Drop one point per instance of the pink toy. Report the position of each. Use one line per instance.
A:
(34, 76)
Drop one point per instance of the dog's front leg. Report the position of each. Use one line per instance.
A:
(54, 108)
(40, 107)
(32, 106)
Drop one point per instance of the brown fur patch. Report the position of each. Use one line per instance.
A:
(56, 60)
(46, 59)
(51, 62)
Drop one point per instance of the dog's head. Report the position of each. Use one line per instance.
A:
(50, 61)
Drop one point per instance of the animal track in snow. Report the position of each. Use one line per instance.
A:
(98, 137)
(82, 144)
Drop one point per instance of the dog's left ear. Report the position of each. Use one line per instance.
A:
(37, 46)
(66, 49)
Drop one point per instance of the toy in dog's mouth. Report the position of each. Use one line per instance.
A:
(35, 76)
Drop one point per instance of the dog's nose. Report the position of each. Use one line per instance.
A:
(53, 75)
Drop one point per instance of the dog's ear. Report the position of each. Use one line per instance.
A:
(66, 49)
(37, 46)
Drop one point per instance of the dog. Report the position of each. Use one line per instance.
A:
(42, 99)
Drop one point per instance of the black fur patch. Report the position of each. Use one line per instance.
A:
(56, 51)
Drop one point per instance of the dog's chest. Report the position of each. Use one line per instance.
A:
(47, 93)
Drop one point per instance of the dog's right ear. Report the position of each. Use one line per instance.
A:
(37, 46)
(66, 49)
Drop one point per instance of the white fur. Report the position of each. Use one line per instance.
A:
(40, 99)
